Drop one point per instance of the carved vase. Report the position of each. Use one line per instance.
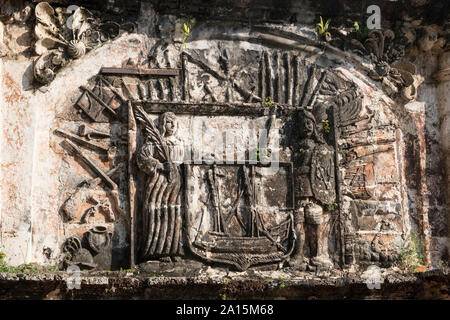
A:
(98, 238)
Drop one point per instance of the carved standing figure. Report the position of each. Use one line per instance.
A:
(314, 188)
(162, 221)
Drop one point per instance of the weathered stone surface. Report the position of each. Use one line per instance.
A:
(257, 285)
(231, 146)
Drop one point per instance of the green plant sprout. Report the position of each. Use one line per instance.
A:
(412, 253)
(268, 101)
(266, 153)
(27, 268)
(332, 206)
(326, 126)
(361, 33)
(186, 29)
(322, 28)
(223, 296)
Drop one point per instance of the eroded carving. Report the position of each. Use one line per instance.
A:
(98, 238)
(64, 34)
(238, 234)
(384, 48)
(229, 225)
(161, 210)
(111, 186)
(92, 252)
(314, 188)
(75, 254)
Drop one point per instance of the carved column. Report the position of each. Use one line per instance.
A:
(443, 77)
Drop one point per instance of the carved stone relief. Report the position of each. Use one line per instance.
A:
(65, 34)
(386, 50)
(147, 132)
(257, 142)
(185, 208)
(161, 201)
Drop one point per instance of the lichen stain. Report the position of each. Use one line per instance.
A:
(14, 137)
(12, 191)
(12, 95)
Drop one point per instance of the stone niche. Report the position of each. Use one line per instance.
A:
(239, 146)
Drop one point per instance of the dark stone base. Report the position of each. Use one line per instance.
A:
(248, 285)
(182, 268)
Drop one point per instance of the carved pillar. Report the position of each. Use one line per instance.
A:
(443, 77)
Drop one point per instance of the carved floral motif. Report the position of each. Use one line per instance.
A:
(385, 48)
(65, 34)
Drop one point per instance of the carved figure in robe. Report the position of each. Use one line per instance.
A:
(162, 219)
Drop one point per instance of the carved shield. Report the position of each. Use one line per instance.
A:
(323, 174)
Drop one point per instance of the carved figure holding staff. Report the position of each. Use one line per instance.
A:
(161, 213)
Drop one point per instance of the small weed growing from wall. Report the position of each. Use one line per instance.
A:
(332, 206)
(443, 265)
(187, 28)
(269, 101)
(264, 153)
(361, 33)
(28, 268)
(412, 253)
(322, 29)
(326, 126)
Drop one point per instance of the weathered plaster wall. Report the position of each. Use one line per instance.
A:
(16, 141)
(128, 46)
(374, 176)
(443, 85)
(434, 186)
(31, 225)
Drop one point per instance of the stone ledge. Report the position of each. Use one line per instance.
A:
(261, 285)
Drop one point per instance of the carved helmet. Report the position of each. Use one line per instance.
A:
(304, 114)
